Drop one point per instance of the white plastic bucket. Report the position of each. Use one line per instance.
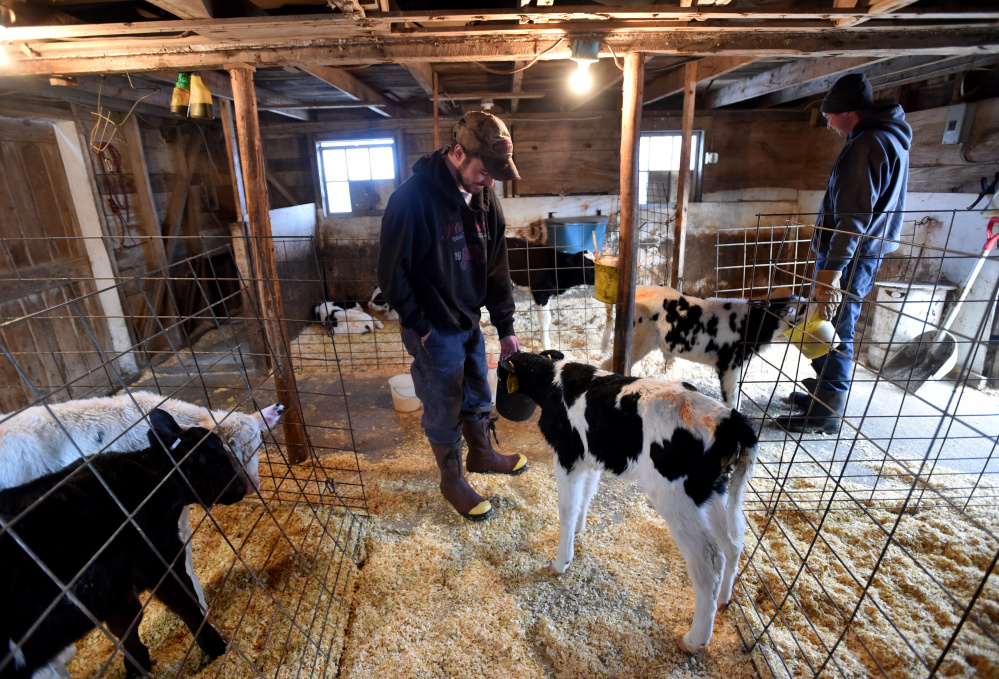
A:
(404, 394)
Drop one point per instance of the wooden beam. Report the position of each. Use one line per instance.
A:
(423, 74)
(351, 8)
(779, 78)
(516, 84)
(882, 73)
(878, 8)
(232, 155)
(265, 263)
(437, 134)
(631, 132)
(672, 82)
(351, 86)
(473, 96)
(683, 176)
(185, 9)
(220, 86)
(117, 56)
(281, 189)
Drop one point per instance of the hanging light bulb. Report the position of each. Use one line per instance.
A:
(584, 53)
(201, 99)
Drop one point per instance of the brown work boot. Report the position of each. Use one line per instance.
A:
(481, 456)
(455, 488)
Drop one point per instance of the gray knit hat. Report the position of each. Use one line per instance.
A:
(852, 92)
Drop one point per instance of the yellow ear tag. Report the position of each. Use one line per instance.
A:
(512, 384)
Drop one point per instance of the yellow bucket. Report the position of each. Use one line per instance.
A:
(605, 279)
(814, 338)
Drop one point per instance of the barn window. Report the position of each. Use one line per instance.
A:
(658, 162)
(354, 172)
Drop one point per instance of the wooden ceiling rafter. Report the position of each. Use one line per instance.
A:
(351, 86)
(709, 68)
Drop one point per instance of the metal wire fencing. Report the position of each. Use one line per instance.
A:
(85, 349)
(871, 552)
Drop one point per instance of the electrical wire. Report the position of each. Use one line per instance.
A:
(614, 54)
(522, 68)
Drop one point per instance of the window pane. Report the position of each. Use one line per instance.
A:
(661, 151)
(334, 165)
(674, 163)
(643, 188)
(358, 164)
(338, 196)
(693, 153)
(382, 163)
(643, 153)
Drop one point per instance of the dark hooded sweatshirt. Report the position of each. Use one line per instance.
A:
(441, 260)
(866, 191)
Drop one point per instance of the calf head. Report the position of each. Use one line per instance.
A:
(244, 436)
(526, 376)
(769, 317)
(378, 302)
(584, 261)
(201, 457)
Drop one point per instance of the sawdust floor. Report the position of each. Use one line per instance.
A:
(438, 596)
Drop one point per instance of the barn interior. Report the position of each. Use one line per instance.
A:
(179, 248)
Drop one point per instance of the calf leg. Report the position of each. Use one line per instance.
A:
(724, 533)
(172, 593)
(589, 488)
(571, 491)
(605, 340)
(691, 529)
(545, 323)
(124, 624)
(730, 381)
(184, 531)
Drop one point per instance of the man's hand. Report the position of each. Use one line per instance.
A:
(826, 293)
(508, 345)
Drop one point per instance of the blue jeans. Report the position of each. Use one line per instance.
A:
(835, 369)
(451, 378)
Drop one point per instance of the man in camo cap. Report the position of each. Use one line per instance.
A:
(442, 258)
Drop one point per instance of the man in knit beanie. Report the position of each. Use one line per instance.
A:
(859, 222)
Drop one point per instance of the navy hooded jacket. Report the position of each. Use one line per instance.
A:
(441, 260)
(866, 191)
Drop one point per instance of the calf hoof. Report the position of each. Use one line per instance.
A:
(555, 570)
(687, 646)
(211, 642)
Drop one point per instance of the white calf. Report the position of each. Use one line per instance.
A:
(691, 454)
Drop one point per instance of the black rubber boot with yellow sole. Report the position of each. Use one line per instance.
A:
(824, 414)
(455, 488)
(482, 458)
(803, 398)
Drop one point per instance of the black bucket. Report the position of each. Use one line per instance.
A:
(515, 406)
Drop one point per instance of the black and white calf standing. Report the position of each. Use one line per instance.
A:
(691, 454)
(718, 332)
(546, 272)
(107, 529)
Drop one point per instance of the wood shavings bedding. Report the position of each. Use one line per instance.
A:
(439, 596)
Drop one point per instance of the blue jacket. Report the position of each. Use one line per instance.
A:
(440, 260)
(866, 192)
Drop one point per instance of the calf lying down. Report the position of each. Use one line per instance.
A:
(76, 522)
(691, 454)
(718, 332)
(40, 440)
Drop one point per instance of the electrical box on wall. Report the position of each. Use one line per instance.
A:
(957, 129)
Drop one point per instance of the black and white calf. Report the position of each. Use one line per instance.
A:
(351, 320)
(718, 332)
(691, 454)
(379, 304)
(546, 272)
(71, 523)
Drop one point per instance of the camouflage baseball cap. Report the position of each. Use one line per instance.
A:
(484, 135)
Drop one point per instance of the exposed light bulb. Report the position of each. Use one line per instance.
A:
(581, 81)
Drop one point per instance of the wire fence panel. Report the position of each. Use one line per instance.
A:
(871, 552)
(83, 355)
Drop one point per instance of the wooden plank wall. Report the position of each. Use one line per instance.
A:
(935, 167)
(43, 266)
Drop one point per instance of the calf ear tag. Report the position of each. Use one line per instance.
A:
(512, 384)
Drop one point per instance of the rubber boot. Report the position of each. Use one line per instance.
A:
(803, 398)
(455, 488)
(823, 415)
(482, 458)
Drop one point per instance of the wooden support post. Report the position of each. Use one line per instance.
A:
(437, 136)
(684, 176)
(265, 263)
(631, 132)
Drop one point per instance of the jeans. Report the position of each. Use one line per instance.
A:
(451, 379)
(835, 369)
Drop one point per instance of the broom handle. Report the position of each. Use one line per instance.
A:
(989, 244)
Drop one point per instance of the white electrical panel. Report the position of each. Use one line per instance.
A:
(957, 129)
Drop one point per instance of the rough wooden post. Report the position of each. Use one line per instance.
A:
(631, 131)
(683, 175)
(264, 261)
(437, 135)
